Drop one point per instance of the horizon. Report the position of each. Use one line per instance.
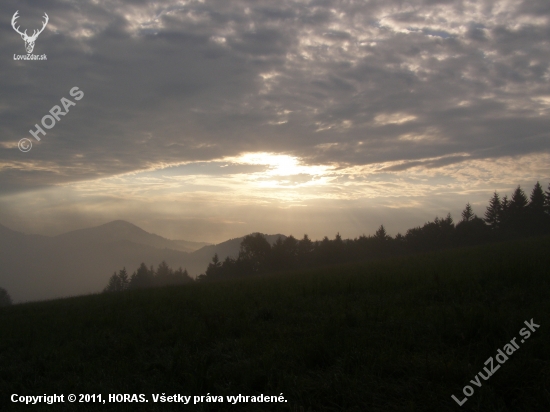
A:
(297, 236)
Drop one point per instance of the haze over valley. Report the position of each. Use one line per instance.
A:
(35, 267)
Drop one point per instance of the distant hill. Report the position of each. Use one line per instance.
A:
(121, 230)
(34, 267)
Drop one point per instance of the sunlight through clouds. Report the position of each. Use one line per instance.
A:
(215, 105)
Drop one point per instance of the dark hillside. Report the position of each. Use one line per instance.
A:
(392, 335)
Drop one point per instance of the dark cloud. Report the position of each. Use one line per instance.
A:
(193, 81)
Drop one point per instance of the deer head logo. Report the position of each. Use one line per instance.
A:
(29, 40)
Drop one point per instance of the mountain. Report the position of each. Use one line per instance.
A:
(121, 230)
(34, 267)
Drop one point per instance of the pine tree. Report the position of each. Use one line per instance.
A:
(504, 211)
(143, 278)
(518, 213)
(181, 276)
(305, 245)
(114, 284)
(381, 234)
(519, 201)
(493, 213)
(123, 279)
(538, 200)
(216, 260)
(213, 270)
(5, 299)
(467, 213)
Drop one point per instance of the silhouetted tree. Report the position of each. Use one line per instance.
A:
(538, 199)
(493, 212)
(518, 212)
(254, 251)
(467, 213)
(547, 202)
(284, 253)
(5, 299)
(290, 246)
(328, 251)
(305, 245)
(142, 278)
(163, 270)
(180, 276)
(213, 270)
(124, 280)
(504, 218)
(519, 202)
(399, 238)
(538, 220)
(166, 276)
(147, 278)
(381, 234)
(114, 285)
(338, 249)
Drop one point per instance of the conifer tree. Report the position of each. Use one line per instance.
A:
(163, 270)
(381, 233)
(123, 279)
(216, 260)
(467, 213)
(213, 270)
(493, 213)
(518, 212)
(537, 200)
(114, 284)
(181, 276)
(305, 245)
(519, 201)
(142, 278)
(504, 212)
(5, 299)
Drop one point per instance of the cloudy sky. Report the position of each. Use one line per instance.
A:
(206, 120)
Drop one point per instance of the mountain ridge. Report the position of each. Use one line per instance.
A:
(122, 229)
(36, 267)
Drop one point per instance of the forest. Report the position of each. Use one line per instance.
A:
(504, 219)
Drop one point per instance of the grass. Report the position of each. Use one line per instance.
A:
(395, 335)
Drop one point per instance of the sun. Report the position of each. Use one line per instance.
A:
(280, 164)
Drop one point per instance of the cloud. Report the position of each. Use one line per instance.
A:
(378, 85)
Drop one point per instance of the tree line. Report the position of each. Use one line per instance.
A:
(504, 219)
(145, 277)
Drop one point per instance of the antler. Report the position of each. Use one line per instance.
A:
(35, 34)
(15, 17)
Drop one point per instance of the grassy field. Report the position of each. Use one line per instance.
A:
(397, 335)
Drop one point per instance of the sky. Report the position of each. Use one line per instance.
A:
(207, 120)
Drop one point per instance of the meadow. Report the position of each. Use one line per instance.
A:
(402, 334)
